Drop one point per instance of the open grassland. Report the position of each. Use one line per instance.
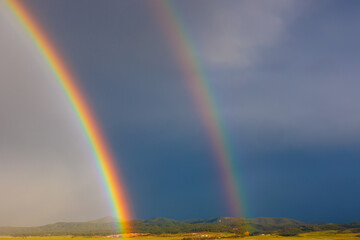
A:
(212, 236)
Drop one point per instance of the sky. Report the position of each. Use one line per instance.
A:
(283, 75)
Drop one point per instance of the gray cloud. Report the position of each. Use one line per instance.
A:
(233, 33)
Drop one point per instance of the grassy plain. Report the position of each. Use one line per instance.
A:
(305, 236)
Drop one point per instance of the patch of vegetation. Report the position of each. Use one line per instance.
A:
(289, 231)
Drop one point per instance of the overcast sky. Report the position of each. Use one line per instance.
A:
(284, 76)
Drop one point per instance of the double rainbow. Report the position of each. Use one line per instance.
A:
(104, 159)
(198, 86)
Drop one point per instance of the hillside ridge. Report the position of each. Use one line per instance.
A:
(108, 226)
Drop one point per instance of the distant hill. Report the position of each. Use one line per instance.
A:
(280, 222)
(107, 219)
(108, 226)
(220, 224)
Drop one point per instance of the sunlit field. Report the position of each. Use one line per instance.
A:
(310, 236)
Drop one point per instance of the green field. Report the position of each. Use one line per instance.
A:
(212, 236)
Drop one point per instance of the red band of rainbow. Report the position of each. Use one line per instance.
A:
(104, 159)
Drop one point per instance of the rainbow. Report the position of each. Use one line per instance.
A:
(104, 159)
(203, 97)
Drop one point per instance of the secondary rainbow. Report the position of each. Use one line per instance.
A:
(198, 86)
(104, 159)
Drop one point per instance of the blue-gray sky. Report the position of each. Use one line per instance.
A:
(284, 76)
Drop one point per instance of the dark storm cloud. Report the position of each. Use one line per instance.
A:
(284, 77)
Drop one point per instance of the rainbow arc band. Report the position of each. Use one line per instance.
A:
(197, 83)
(104, 159)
